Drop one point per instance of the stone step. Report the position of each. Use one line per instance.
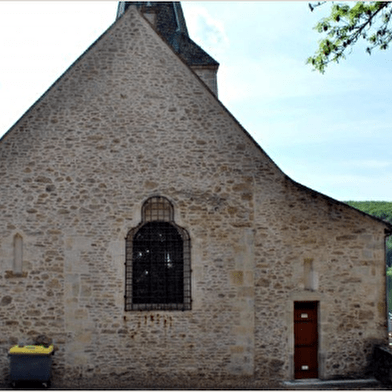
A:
(315, 383)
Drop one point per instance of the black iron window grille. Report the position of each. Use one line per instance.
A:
(158, 274)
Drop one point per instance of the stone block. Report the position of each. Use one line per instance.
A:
(236, 278)
(237, 349)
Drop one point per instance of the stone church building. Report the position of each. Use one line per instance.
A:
(152, 240)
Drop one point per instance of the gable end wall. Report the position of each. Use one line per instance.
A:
(75, 172)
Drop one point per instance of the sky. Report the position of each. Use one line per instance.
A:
(330, 132)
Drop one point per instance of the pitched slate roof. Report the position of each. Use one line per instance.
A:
(171, 25)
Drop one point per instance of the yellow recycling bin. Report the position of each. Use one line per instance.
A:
(31, 363)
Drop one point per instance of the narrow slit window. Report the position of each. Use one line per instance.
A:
(310, 275)
(18, 254)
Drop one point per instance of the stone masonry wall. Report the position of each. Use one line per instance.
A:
(75, 172)
(209, 76)
(129, 121)
(347, 254)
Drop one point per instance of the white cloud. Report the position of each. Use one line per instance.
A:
(343, 186)
(280, 76)
(40, 41)
(369, 164)
(205, 30)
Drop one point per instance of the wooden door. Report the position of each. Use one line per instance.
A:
(305, 340)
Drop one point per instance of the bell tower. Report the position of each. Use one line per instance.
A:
(168, 21)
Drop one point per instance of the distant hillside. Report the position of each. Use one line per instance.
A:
(379, 209)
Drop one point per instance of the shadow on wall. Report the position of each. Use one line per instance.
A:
(382, 365)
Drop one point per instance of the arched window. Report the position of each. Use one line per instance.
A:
(158, 261)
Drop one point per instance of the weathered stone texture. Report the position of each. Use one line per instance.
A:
(350, 289)
(129, 121)
(208, 74)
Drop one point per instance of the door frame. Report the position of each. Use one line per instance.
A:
(322, 316)
(309, 307)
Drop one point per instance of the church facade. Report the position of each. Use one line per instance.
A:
(146, 234)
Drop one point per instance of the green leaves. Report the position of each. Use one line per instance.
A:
(345, 25)
(379, 209)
